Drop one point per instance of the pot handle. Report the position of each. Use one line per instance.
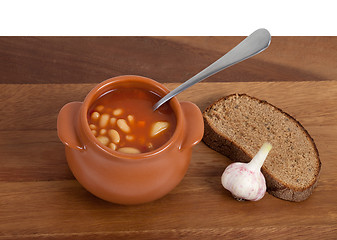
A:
(66, 121)
(194, 124)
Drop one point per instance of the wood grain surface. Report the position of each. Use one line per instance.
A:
(165, 59)
(40, 199)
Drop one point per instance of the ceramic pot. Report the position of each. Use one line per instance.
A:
(128, 178)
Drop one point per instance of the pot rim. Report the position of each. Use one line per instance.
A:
(160, 89)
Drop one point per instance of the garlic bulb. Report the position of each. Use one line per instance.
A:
(245, 180)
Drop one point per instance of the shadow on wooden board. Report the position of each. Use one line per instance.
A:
(94, 59)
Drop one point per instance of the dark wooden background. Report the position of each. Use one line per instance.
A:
(39, 197)
(165, 59)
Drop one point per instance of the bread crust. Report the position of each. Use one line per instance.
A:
(235, 153)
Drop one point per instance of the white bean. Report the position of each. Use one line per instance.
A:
(95, 116)
(113, 121)
(130, 137)
(92, 126)
(102, 131)
(131, 119)
(122, 124)
(117, 112)
(114, 135)
(128, 150)
(113, 146)
(94, 132)
(103, 139)
(99, 108)
(158, 127)
(103, 122)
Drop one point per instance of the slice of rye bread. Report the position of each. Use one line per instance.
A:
(238, 125)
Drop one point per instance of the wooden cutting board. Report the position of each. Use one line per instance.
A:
(39, 197)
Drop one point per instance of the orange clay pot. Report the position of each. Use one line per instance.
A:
(128, 178)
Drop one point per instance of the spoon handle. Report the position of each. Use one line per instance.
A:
(250, 46)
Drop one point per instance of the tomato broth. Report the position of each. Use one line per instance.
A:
(123, 120)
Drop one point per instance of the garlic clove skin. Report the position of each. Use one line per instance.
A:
(244, 183)
(245, 180)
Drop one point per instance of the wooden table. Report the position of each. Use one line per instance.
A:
(39, 197)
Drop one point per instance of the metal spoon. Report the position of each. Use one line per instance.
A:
(250, 46)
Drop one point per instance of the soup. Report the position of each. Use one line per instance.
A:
(123, 120)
